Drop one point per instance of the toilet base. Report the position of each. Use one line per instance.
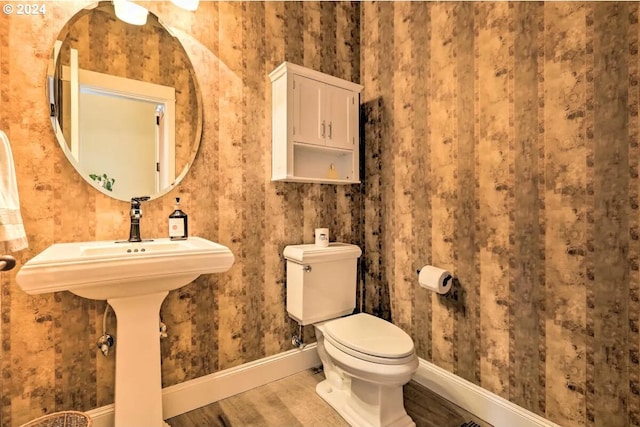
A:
(342, 401)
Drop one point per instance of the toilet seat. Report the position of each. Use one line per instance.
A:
(370, 338)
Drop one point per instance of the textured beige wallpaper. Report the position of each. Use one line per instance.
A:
(501, 142)
(49, 360)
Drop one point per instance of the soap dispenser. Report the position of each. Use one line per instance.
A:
(178, 229)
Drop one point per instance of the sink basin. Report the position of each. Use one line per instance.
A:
(106, 269)
(134, 278)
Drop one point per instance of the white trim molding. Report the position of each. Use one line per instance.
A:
(193, 394)
(103, 416)
(481, 403)
(190, 395)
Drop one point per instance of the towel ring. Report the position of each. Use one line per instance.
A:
(7, 262)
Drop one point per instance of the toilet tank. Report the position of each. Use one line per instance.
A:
(321, 281)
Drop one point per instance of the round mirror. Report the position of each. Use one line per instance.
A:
(124, 103)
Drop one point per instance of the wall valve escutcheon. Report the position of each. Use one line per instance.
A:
(105, 342)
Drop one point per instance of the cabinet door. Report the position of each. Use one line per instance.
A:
(308, 126)
(340, 113)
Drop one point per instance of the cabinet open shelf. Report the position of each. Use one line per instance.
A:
(317, 164)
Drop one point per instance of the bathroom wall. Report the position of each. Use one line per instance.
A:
(501, 142)
(49, 360)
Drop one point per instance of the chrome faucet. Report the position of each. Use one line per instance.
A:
(136, 213)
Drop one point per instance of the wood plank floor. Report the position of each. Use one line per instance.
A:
(293, 402)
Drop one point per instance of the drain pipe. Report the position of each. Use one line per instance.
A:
(106, 341)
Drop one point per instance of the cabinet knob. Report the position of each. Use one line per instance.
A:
(323, 128)
(330, 123)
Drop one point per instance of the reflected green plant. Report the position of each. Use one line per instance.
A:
(103, 180)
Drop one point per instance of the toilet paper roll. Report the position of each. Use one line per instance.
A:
(322, 237)
(435, 279)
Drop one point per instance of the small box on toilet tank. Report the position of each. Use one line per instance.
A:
(321, 281)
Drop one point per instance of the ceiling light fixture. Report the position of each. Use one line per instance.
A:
(186, 4)
(130, 13)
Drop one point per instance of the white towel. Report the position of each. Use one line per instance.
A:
(12, 234)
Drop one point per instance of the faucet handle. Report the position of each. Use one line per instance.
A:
(135, 201)
(136, 212)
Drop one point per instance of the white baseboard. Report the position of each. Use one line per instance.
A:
(190, 395)
(103, 416)
(193, 394)
(482, 403)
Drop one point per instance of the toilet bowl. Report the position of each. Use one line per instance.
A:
(366, 359)
(364, 377)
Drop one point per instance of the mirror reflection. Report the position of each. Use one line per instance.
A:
(125, 104)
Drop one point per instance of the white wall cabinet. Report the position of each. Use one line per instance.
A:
(315, 126)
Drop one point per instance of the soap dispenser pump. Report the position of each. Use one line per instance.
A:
(178, 229)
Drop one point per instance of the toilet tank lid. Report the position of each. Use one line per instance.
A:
(312, 253)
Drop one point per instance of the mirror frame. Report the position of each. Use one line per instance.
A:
(52, 87)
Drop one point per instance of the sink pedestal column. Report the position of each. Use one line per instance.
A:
(138, 394)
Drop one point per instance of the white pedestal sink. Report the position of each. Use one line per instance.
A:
(134, 278)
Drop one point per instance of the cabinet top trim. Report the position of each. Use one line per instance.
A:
(285, 67)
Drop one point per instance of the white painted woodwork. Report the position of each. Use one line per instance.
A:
(315, 126)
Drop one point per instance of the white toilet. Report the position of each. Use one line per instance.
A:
(366, 359)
